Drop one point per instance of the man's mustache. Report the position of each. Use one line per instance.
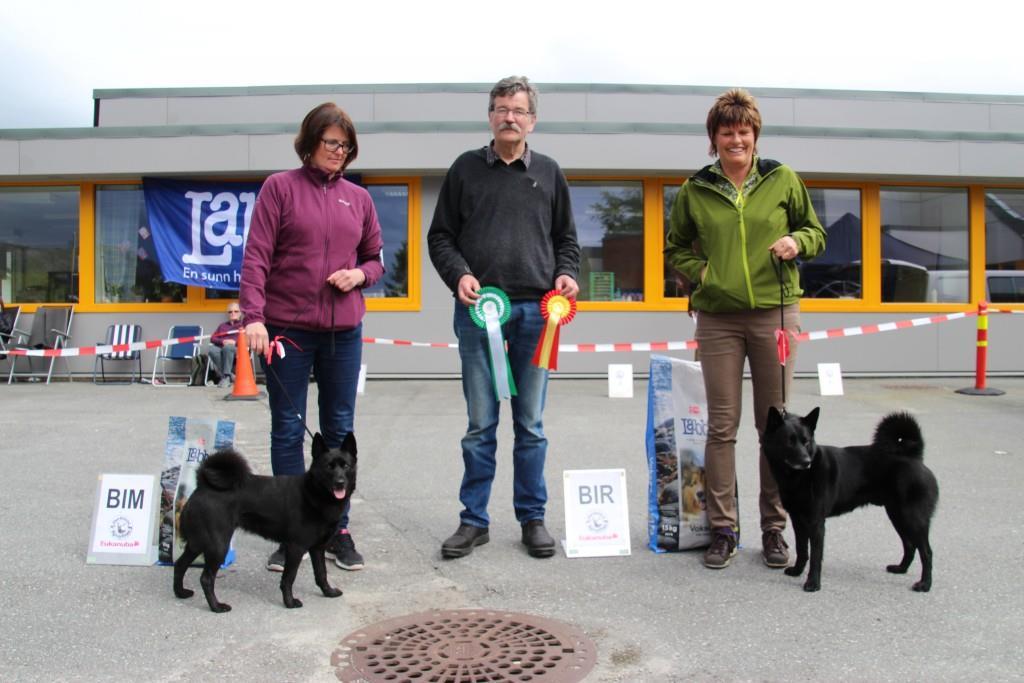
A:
(509, 126)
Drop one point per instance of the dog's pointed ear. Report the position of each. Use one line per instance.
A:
(775, 419)
(349, 444)
(319, 445)
(811, 419)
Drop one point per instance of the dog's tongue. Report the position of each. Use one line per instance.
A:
(339, 494)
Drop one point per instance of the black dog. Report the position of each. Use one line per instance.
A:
(816, 482)
(299, 511)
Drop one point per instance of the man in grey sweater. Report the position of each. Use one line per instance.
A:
(503, 219)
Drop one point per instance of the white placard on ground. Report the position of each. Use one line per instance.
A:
(620, 380)
(361, 386)
(124, 521)
(830, 379)
(596, 513)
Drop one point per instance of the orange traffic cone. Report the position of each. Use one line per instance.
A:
(245, 382)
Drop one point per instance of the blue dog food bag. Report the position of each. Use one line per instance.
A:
(189, 441)
(676, 435)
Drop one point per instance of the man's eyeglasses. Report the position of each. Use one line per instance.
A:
(503, 112)
(335, 145)
(234, 312)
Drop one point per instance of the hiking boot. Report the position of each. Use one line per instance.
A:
(722, 549)
(462, 542)
(343, 549)
(275, 562)
(537, 540)
(774, 549)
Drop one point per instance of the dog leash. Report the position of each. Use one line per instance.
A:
(781, 340)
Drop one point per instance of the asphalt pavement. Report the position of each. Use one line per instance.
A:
(653, 617)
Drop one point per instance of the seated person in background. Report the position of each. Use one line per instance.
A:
(223, 345)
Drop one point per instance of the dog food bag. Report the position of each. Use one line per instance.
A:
(676, 434)
(189, 441)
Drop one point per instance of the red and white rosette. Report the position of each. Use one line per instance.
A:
(558, 310)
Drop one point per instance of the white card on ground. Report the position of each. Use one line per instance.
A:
(620, 380)
(830, 379)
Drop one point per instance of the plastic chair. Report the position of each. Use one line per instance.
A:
(119, 334)
(177, 352)
(51, 329)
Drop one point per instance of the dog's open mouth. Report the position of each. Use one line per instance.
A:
(798, 465)
(339, 493)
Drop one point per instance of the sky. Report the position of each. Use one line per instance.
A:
(55, 53)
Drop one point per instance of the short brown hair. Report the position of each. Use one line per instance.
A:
(735, 107)
(318, 120)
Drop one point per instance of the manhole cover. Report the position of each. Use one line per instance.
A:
(464, 646)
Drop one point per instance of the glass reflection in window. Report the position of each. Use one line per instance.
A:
(924, 244)
(610, 227)
(1004, 246)
(127, 267)
(837, 272)
(392, 204)
(39, 244)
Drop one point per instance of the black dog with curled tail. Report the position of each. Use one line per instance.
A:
(816, 482)
(299, 511)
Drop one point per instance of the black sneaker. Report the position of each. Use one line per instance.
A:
(721, 550)
(343, 549)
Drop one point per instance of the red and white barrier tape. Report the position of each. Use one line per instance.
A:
(562, 348)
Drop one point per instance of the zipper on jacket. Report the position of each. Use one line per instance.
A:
(324, 266)
(743, 243)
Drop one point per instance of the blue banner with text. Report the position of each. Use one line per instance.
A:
(200, 228)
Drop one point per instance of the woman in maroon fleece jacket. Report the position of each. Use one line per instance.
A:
(314, 243)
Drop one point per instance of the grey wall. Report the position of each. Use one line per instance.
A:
(592, 129)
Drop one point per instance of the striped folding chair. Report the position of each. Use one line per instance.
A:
(119, 334)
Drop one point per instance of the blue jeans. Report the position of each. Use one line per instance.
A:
(529, 492)
(335, 367)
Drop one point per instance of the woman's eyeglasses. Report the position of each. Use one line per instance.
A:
(336, 145)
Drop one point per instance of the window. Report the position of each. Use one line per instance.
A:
(610, 228)
(127, 268)
(392, 203)
(676, 284)
(39, 244)
(1004, 246)
(924, 244)
(837, 272)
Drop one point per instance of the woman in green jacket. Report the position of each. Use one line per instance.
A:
(735, 229)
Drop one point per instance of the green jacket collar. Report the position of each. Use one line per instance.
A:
(713, 176)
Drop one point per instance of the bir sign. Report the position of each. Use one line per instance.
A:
(596, 513)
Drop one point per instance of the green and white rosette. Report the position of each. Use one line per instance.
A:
(490, 311)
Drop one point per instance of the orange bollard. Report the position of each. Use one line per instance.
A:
(981, 358)
(245, 388)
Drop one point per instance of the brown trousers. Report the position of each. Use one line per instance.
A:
(727, 341)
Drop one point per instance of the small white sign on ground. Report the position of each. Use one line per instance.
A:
(596, 513)
(830, 379)
(620, 380)
(124, 521)
(361, 385)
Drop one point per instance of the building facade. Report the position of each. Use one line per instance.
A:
(922, 195)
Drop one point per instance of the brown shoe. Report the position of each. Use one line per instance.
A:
(774, 549)
(722, 549)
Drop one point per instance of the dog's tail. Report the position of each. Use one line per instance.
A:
(900, 435)
(225, 470)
